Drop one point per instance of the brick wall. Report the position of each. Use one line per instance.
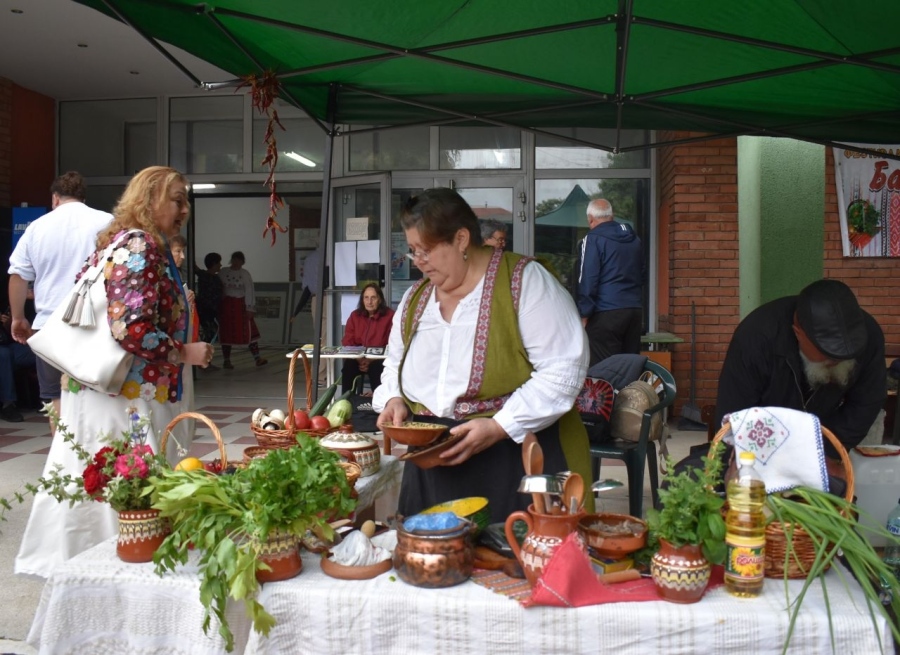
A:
(5, 142)
(698, 186)
(698, 193)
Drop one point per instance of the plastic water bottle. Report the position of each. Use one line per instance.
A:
(892, 548)
(745, 530)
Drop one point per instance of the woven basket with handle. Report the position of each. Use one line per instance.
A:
(778, 543)
(286, 438)
(223, 456)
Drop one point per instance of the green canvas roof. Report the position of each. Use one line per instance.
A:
(819, 70)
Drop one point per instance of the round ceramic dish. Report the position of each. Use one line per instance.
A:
(474, 508)
(342, 572)
(428, 457)
(599, 532)
(364, 449)
(414, 433)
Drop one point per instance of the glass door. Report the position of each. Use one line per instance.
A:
(500, 199)
(360, 213)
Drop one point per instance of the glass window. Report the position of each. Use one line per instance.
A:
(403, 272)
(480, 147)
(103, 198)
(301, 144)
(206, 134)
(105, 138)
(550, 152)
(561, 217)
(403, 149)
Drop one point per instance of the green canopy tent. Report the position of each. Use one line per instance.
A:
(825, 71)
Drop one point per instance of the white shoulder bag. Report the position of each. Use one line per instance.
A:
(77, 340)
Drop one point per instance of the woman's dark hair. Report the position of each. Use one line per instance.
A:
(237, 254)
(438, 214)
(382, 308)
(211, 259)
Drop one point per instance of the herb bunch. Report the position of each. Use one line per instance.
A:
(691, 508)
(228, 518)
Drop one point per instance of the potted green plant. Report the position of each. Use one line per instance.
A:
(689, 528)
(232, 520)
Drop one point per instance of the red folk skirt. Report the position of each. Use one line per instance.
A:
(236, 326)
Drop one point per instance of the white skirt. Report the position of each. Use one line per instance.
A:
(56, 532)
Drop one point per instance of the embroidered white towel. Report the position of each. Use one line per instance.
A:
(787, 444)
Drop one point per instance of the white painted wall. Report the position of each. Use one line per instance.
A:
(224, 225)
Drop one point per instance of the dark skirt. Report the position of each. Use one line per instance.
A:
(494, 473)
(236, 326)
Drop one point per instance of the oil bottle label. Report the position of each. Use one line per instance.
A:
(746, 559)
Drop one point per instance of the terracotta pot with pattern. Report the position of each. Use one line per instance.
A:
(281, 552)
(681, 574)
(141, 532)
(546, 532)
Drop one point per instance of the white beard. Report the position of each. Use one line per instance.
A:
(819, 373)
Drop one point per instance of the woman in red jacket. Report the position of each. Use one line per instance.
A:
(369, 325)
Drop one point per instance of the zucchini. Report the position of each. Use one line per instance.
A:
(325, 399)
(351, 390)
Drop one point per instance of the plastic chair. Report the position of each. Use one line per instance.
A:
(634, 454)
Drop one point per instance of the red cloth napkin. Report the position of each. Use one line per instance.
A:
(569, 580)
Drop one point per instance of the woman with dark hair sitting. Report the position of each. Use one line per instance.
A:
(369, 325)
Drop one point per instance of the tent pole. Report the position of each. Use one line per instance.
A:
(323, 234)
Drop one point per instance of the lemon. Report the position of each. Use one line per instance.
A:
(189, 464)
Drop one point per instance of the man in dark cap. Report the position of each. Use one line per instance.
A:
(817, 352)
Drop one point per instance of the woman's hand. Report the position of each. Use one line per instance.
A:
(394, 413)
(197, 354)
(478, 434)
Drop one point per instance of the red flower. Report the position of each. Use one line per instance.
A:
(94, 481)
(100, 458)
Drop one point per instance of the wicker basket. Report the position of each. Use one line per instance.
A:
(286, 438)
(803, 552)
(223, 456)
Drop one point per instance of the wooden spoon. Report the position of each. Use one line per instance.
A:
(533, 461)
(573, 492)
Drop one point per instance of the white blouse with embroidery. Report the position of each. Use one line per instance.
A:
(437, 369)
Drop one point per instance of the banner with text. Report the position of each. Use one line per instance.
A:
(868, 191)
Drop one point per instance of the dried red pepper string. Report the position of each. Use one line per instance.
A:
(264, 90)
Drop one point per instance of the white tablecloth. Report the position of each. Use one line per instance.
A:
(97, 604)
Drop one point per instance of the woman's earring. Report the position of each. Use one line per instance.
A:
(466, 254)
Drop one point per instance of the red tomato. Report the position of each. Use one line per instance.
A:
(301, 420)
(319, 423)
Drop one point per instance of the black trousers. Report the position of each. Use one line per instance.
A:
(351, 369)
(614, 332)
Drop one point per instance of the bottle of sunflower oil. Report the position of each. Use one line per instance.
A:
(745, 530)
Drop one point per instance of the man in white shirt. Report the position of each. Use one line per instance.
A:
(50, 254)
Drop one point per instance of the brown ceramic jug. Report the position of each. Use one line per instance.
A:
(545, 534)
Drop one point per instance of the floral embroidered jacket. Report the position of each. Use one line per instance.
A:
(147, 315)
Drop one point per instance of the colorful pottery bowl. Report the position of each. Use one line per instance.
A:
(613, 536)
(474, 509)
(414, 433)
(427, 457)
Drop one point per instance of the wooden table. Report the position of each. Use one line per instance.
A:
(95, 603)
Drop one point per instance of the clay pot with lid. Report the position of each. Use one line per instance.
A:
(364, 449)
(435, 559)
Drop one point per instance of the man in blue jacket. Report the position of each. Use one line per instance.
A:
(610, 283)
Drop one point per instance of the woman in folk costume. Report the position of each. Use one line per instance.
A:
(237, 326)
(147, 315)
(489, 343)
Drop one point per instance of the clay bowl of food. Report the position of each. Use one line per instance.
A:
(613, 536)
(414, 433)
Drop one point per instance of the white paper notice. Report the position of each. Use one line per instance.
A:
(349, 302)
(367, 252)
(356, 229)
(345, 264)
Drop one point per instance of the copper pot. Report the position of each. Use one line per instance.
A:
(435, 559)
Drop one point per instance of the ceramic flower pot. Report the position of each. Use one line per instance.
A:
(681, 574)
(281, 553)
(546, 532)
(141, 532)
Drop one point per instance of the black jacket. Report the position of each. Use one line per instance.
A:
(763, 369)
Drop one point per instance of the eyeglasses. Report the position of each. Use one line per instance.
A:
(421, 255)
